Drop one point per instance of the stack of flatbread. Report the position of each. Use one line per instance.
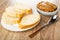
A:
(22, 16)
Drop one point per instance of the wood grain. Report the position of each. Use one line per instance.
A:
(51, 32)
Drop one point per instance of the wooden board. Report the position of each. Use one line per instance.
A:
(51, 32)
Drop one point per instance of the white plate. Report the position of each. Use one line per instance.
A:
(15, 27)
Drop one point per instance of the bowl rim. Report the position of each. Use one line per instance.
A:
(48, 12)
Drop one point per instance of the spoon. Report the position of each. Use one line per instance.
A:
(52, 20)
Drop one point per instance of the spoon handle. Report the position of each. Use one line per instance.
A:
(52, 20)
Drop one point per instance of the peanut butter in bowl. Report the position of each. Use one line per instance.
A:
(47, 8)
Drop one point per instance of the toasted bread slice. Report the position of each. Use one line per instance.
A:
(29, 20)
(9, 20)
(18, 11)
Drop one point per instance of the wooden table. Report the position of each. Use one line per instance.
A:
(51, 32)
